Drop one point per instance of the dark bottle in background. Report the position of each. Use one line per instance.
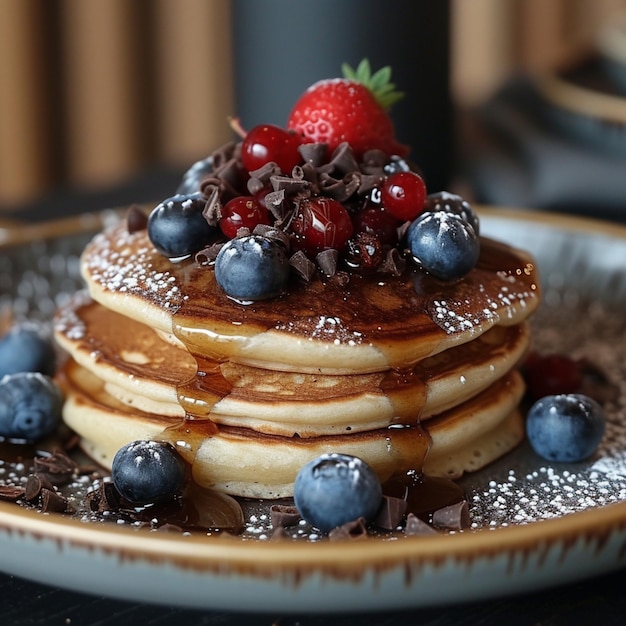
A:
(283, 46)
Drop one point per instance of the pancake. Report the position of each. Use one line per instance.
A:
(371, 324)
(245, 463)
(141, 370)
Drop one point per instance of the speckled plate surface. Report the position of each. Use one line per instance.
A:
(533, 524)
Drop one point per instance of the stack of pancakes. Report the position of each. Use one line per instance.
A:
(406, 372)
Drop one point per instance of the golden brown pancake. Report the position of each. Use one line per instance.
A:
(373, 323)
(242, 462)
(143, 371)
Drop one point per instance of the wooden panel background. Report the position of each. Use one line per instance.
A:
(93, 91)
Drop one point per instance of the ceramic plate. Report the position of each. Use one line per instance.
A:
(534, 525)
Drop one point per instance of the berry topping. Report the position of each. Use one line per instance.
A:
(451, 202)
(26, 348)
(177, 227)
(443, 244)
(251, 268)
(375, 220)
(321, 223)
(242, 212)
(335, 489)
(403, 195)
(364, 252)
(565, 427)
(30, 406)
(552, 374)
(267, 143)
(146, 472)
(353, 109)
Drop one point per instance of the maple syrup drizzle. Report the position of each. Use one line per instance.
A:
(214, 328)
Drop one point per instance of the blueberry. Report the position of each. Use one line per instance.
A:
(30, 406)
(25, 348)
(194, 176)
(177, 228)
(565, 427)
(453, 203)
(443, 244)
(253, 267)
(335, 489)
(146, 472)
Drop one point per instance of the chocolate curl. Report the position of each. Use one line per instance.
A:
(263, 175)
(209, 254)
(225, 178)
(57, 468)
(453, 517)
(351, 530)
(34, 486)
(390, 513)
(303, 266)
(272, 233)
(225, 153)
(313, 153)
(327, 261)
(291, 186)
(374, 162)
(212, 212)
(136, 219)
(415, 527)
(394, 263)
(284, 515)
(342, 159)
(51, 501)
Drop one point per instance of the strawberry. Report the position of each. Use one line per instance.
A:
(353, 109)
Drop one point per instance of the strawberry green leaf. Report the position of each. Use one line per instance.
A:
(378, 83)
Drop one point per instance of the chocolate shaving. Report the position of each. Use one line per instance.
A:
(342, 159)
(265, 173)
(390, 513)
(374, 162)
(213, 209)
(10, 493)
(327, 261)
(208, 254)
(278, 534)
(225, 153)
(58, 468)
(291, 186)
(313, 153)
(304, 267)
(452, 517)
(284, 515)
(394, 263)
(105, 497)
(53, 502)
(415, 526)
(350, 530)
(136, 219)
(34, 486)
(254, 185)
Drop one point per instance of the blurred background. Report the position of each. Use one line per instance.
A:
(511, 102)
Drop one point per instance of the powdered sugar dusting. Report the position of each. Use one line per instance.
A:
(124, 262)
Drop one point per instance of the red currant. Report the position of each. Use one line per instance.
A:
(375, 220)
(267, 142)
(403, 195)
(242, 212)
(552, 374)
(321, 223)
